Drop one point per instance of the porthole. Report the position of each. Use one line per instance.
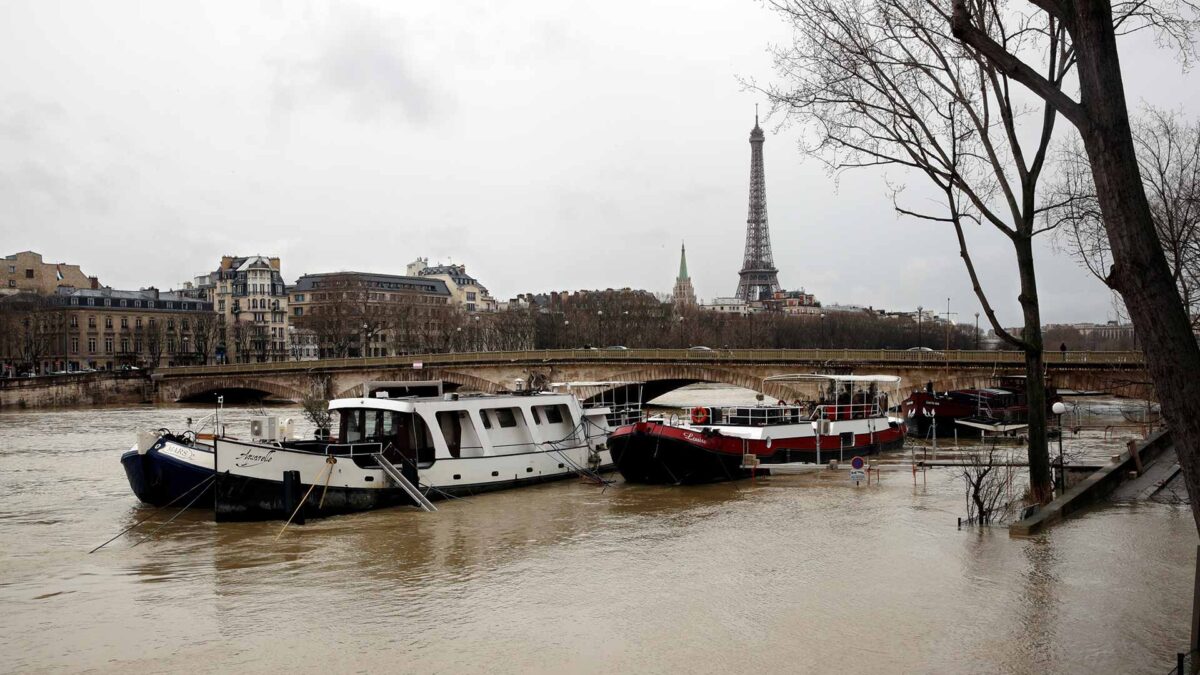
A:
(529, 469)
(457, 476)
(561, 466)
(368, 478)
(495, 473)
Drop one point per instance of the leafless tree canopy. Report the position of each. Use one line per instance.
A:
(1168, 149)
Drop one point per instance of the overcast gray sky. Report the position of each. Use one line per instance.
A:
(546, 145)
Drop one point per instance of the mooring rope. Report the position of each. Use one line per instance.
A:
(329, 468)
(172, 518)
(330, 460)
(151, 515)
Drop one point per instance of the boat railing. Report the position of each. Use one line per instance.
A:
(847, 411)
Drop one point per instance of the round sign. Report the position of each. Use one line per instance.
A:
(856, 463)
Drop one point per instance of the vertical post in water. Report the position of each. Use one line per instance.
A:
(1195, 643)
(291, 496)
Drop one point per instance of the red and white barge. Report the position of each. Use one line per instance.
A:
(849, 418)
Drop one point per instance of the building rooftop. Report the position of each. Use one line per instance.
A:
(309, 282)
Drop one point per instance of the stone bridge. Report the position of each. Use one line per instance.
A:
(657, 370)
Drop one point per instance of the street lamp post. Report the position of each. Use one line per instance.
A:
(681, 332)
(1058, 409)
(976, 331)
(920, 309)
(363, 347)
(600, 320)
(567, 332)
(824, 339)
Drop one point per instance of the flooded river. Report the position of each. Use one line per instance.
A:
(788, 574)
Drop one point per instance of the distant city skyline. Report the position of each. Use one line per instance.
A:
(547, 147)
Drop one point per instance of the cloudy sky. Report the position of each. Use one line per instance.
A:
(546, 145)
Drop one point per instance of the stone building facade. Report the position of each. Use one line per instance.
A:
(465, 290)
(103, 329)
(251, 301)
(357, 314)
(25, 272)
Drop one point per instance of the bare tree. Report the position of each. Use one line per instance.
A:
(1139, 266)
(206, 331)
(1168, 151)
(986, 475)
(884, 83)
(315, 404)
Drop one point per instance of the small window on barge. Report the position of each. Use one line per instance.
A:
(505, 417)
(553, 414)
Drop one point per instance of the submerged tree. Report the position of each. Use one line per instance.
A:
(884, 83)
(1139, 267)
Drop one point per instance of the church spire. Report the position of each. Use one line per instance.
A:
(683, 295)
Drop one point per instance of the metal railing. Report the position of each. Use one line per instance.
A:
(724, 356)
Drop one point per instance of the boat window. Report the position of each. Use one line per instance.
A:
(553, 414)
(487, 423)
(352, 424)
(847, 439)
(450, 422)
(536, 418)
(505, 417)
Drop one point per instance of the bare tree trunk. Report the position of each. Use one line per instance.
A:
(1140, 272)
(1041, 481)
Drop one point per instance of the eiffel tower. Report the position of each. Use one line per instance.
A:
(758, 275)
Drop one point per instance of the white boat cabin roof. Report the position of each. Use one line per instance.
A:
(411, 403)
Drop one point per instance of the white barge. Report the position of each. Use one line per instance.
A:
(410, 450)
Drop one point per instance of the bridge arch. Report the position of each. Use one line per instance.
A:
(656, 380)
(460, 380)
(203, 390)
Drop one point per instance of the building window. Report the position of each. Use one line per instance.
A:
(299, 311)
(91, 322)
(471, 296)
(137, 345)
(220, 305)
(108, 322)
(91, 345)
(12, 283)
(74, 321)
(299, 297)
(123, 303)
(170, 324)
(91, 302)
(151, 323)
(124, 321)
(108, 345)
(28, 274)
(12, 269)
(137, 323)
(74, 345)
(124, 345)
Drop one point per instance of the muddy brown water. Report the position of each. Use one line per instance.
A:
(788, 574)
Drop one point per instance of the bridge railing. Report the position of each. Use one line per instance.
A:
(802, 357)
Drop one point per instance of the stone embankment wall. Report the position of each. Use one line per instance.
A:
(70, 390)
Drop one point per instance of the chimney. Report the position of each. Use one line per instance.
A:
(275, 264)
(226, 262)
(94, 282)
(154, 291)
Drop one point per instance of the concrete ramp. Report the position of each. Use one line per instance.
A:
(1158, 482)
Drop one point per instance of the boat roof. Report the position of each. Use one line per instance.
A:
(892, 379)
(409, 403)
